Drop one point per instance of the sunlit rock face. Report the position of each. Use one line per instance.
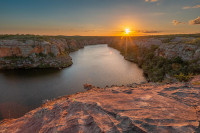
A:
(143, 108)
(32, 54)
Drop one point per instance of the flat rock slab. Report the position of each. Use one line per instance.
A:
(144, 108)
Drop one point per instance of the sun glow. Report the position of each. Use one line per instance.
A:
(127, 31)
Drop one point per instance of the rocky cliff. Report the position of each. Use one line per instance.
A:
(50, 52)
(28, 51)
(33, 54)
(142, 108)
(187, 48)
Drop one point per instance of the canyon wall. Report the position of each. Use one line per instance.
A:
(187, 48)
(51, 53)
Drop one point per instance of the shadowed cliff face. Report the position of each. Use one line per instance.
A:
(141, 108)
(187, 48)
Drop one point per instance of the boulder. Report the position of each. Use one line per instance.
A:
(88, 86)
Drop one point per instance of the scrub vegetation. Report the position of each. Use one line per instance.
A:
(157, 68)
(25, 37)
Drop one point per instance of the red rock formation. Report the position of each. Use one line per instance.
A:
(10, 51)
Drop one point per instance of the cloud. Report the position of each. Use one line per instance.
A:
(151, 0)
(176, 22)
(195, 21)
(190, 7)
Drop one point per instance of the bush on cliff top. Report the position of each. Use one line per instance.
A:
(182, 77)
(195, 41)
(156, 67)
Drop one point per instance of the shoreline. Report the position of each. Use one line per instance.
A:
(164, 95)
(91, 88)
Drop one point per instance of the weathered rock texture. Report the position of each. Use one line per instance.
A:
(33, 54)
(141, 108)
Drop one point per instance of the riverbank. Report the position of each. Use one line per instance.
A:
(149, 107)
(163, 58)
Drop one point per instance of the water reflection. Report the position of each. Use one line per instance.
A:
(24, 90)
(24, 73)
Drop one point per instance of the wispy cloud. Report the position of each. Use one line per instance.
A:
(195, 21)
(190, 7)
(151, 0)
(176, 22)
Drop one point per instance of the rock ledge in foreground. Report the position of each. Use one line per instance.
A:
(142, 108)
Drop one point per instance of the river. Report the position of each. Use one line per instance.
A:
(99, 65)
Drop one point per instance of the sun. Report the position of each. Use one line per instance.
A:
(127, 31)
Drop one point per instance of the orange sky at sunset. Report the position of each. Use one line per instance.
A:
(99, 17)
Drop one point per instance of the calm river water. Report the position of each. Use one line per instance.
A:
(99, 65)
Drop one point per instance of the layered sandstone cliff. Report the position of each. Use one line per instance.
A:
(143, 108)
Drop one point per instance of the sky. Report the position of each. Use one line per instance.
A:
(99, 17)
